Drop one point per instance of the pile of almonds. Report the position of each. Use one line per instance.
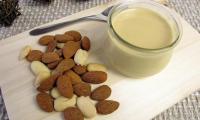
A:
(64, 80)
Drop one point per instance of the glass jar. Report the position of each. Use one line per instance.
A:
(135, 61)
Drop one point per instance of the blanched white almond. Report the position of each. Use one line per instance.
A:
(55, 93)
(41, 77)
(81, 57)
(86, 106)
(24, 52)
(38, 67)
(60, 45)
(61, 103)
(96, 67)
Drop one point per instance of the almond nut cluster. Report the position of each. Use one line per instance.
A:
(64, 79)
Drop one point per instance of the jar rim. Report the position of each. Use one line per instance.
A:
(154, 4)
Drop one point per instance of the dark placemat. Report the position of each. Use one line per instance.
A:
(35, 13)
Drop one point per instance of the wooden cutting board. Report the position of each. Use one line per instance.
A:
(139, 99)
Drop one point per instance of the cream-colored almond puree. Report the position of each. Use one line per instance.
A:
(143, 28)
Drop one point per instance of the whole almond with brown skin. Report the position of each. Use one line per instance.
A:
(45, 40)
(51, 46)
(75, 78)
(62, 38)
(64, 65)
(107, 106)
(85, 43)
(48, 84)
(50, 57)
(34, 55)
(101, 93)
(53, 65)
(45, 102)
(94, 77)
(70, 48)
(64, 86)
(80, 69)
(73, 113)
(82, 89)
(75, 34)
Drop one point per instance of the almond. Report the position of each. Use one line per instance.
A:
(80, 69)
(34, 55)
(41, 77)
(24, 52)
(64, 65)
(73, 113)
(51, 46)
(82, 89)
(96, 67)
(61, 103)
(54, 64)
(64, 86)
(48, 84)
(50, 57)
(85, 43)
(73, 77)
(60, 45)
(62, 38)
(101, 93)
(75, 34)
(95, 77)
(86, 106)
(55, 93)
(70, 48)
(45, 102)
(81, 57)
(107, 106)
(38, 67)
(45, 40)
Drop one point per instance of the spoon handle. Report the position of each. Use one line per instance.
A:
(50, 28)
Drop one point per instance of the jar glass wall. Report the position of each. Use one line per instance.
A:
(136, 61)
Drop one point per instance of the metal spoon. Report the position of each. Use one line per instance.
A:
(99, 17)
